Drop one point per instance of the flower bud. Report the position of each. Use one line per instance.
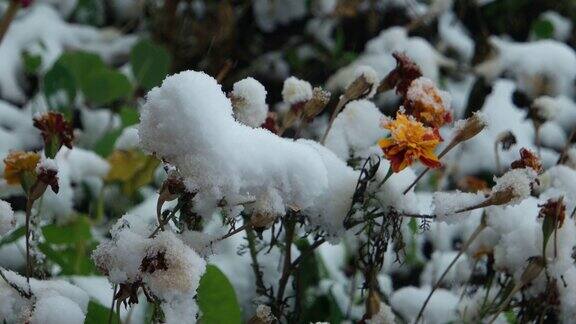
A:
(314, 106)
(470, 128)
(56, 131)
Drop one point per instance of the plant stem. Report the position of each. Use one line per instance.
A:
(441, 155)
(8, 17)
(29, 204)
(290, 225)
(251, 238)
(464, 247)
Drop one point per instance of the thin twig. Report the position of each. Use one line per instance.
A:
(251, 238)
(8, 17)
(464, 247)
(111, 312)
(290, 225)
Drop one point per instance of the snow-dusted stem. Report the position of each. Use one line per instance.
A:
(8, 17)
(29, 203)
(251, 238)
(463, 249)
(343, 100)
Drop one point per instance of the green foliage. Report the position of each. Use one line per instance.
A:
(97, 313)
(217, 299)
(90, 12)
(69, 246)
(543, 29)
(105, 146)
(59, 89)
(105, 86)
(150, 63)
(31, 62)
(13, 237)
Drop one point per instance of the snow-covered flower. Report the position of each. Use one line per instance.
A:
(427, 103)
(296, 91)
(410, 140)
(249, 102)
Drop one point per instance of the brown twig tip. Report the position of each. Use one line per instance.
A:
(495, 199)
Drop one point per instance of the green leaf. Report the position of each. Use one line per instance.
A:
(75, 232)
(129, 116)
(543, 29)
(90, 12)
(32, 62)
(13, 236)
(59, 88)
(97, 313)
(105, 86)
(150, 63)
(105, 145)
(217, 299)
(81, 65)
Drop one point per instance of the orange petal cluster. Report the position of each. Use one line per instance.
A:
(410, 140)
(17, 163)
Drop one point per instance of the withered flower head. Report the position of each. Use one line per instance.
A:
(410, 140)
(472, 184)
(427, 103)
(19, 164)
(364, 86)
(403, 74)
(270, 123)
(528, 160)
(48, 176)
(507, 139)
(56, 131)
(555, 210)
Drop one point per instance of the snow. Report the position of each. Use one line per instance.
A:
(251, 108)
(55, 301)
(42, 24)
(271, 14)
(188, 122)
(520, 181)
(7, 219)
(296, 91)
(355, 129)
(446, 205)
(441, 309)
(172, 273)
(544, 67)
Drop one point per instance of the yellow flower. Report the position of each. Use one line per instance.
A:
(410, 140)
(17, 163)
(426, 103)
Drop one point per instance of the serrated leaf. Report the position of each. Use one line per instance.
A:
(217, 299)
(105, 86)
(150, 63)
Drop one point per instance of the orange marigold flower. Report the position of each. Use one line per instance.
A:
(427, 103)
(17, 163)
(410, 141)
